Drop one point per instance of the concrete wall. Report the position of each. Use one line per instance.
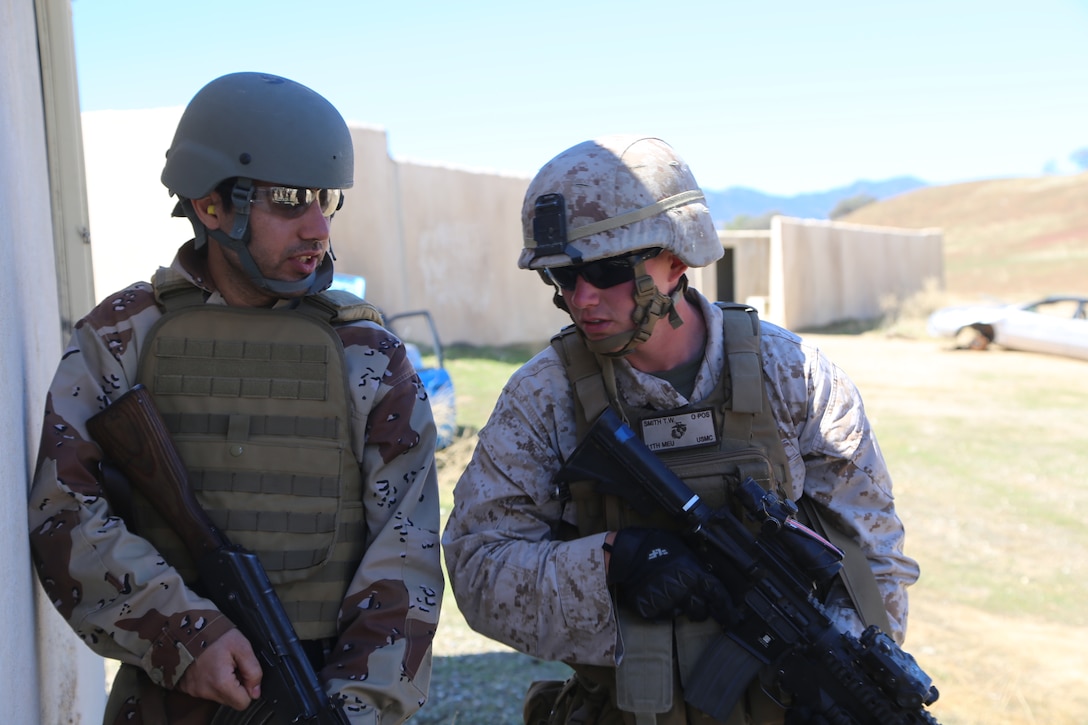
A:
(806, 273)
(424, 236)
(459, 237)
(750, 263)
(824, 272)
(46, 674)
(447, 239)
(367, 234)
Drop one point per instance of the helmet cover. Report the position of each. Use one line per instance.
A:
(617, 194)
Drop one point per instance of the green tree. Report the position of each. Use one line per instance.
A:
(851, 204)
(747, 221)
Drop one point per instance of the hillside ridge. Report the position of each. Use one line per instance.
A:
(727, 204)
(1008, 238)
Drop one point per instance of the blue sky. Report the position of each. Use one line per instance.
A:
(785, 96)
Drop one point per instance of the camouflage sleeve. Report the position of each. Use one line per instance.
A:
(381, 664)
(835, 457)
(112, 586)
(513, 579)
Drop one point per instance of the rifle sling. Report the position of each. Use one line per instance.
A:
(855, 575)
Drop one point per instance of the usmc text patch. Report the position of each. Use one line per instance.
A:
(680, 430)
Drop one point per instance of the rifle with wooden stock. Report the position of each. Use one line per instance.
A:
(134, 438)
(785, 635)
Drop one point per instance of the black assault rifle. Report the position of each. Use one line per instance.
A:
(134, 437)
(785, 635)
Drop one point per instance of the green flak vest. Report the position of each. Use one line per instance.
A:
(748, 445)
(258, 404)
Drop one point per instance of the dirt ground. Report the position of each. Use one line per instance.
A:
(992, 661)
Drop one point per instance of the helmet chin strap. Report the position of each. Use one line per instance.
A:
(314, 282)
(650, 306)
(238, 242)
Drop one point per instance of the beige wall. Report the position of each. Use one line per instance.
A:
(751, 256)
(424, 236)
(367, 234)
(808, 273)
(452, 250)
(824, 272)
(28, 321)
(47, 675)
(447, 239)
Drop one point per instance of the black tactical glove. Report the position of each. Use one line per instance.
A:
(657, 576)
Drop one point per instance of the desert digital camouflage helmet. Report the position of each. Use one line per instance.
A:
(615, 195)
(257, 127)
(610, 197)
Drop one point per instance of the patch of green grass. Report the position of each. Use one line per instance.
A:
(478, 375)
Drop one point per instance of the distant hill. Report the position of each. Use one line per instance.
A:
(1011, 239)
(734, 201)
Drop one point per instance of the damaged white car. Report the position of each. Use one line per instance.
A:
(1057, 325)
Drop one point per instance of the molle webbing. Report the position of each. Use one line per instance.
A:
(233, 368)
(223, 424)
(257, 402)
(743, 358)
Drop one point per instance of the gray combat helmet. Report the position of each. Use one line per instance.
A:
(609, 197)
(258, 127)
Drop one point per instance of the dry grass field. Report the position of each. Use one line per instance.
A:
(991, 469)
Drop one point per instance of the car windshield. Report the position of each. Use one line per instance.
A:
(1068, 309)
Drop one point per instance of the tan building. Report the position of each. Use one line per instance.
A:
(47, 675)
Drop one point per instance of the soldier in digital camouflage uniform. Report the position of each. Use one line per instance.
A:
(612, 225)
(305, 430)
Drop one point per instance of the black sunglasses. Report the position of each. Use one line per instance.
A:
(602, 274)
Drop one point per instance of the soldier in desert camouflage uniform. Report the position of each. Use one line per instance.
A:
(612, 225)
(306, 432)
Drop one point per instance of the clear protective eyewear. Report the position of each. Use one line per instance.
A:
(292, 202)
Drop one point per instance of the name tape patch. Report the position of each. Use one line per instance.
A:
(683, 430)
